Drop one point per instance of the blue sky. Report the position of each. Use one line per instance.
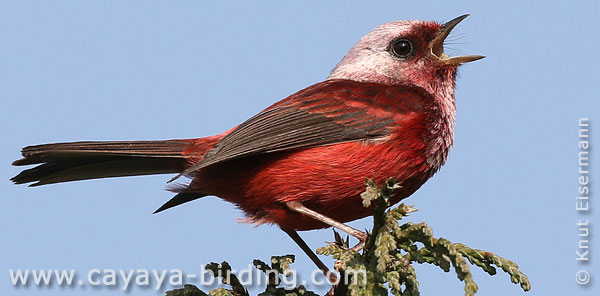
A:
(121, 70)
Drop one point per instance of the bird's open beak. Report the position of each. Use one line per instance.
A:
(437, 45)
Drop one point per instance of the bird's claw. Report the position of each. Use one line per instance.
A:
(345, 244)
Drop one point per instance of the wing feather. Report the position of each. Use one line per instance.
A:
(330, 112)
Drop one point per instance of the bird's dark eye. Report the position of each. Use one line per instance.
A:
(401, 48)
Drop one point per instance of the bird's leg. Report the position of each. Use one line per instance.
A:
(302, 244)
(300, 208)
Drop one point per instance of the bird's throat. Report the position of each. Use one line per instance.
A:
(441, 123)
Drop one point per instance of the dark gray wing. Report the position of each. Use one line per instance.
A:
(329, 112)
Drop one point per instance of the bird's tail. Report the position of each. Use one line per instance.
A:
(64, 162)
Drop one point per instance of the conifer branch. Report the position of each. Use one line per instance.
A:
(385, 263)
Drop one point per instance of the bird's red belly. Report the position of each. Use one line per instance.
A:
(326, 179)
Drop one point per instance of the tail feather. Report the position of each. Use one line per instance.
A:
(64, 162)
(179, 199)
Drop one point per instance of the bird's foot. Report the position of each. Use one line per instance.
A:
(345, 244)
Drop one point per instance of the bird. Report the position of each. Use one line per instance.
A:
(387, 109)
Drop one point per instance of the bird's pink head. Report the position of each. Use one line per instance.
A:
(407, 52)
